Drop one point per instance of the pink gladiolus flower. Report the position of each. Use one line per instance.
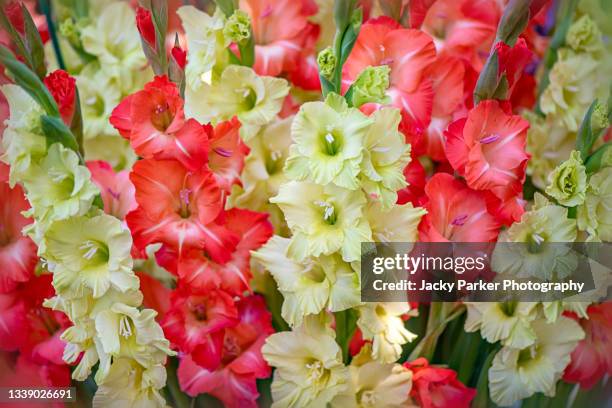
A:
(179, 208)
(144, 23)
(17, 252)
(281, 31)
(488, 149)
(200, 272)
(116, 189)
(456, 213)
(233, 380)
(154, 122)
(227, 153)
(592, 358)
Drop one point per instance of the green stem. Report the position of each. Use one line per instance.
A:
(482, 389)
(439, 317)
(345, 328)
(45, 6)
(177, 398)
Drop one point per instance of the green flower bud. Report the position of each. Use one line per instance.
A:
(568, 182)
(584, 35)
(371, 85)
(69, 30)
(599, 119)
(326, 60)
(238, 27)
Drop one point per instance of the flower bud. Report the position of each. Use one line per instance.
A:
(599, 119)
(326, 60)
(13, 13)
(568, 182)
(63, 89)
(371, 85)
(145, 25)
(238, 27)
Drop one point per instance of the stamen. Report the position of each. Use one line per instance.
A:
(184, 196)
(330, 138)
(386, 61)
(381, 149)
(275, 155)
(329, 209)
(125, 329)
(223, 152)
(537, 238)
(490, 139)
(315, 370)
(266, 11)
(91, 248)
(57, 176)
(460, 220)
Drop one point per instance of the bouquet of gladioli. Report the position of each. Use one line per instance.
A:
(186, 187)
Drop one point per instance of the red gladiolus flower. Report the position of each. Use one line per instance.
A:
(17, 252)
(154, 122)
(13, 12)
(63, 89)
(179, 208)
(456, 213)
(592, 357)
(144, 22)
(414, 173)
(233, 380)
(437, 387)
(116, 189)
(488, 149)
(194, 321)
(199, 271)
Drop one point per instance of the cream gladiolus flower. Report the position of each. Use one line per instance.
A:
(584, 36)
(323, 220)
(98, 94)
(575, 81)
(240, 92)
(23, 142)
(310, 286)
(125, 331)
(206, 44)
(544, 229)
(382, 323)
(263, 170)
(508, 322)
(398, 224)
(129, 385)
(549, 144)
(114, 39)
(90, 253)
(595, 215)
(309, 369)
(519, 373)
(81, 342)
(373, 384)
(385, 156)
(328, 143)
(59, 187)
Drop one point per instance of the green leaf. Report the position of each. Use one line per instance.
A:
(25, 78)
(57, 132)
(346, 324)
(15, 38)
(326, 86)
(247, 51)
(226, 6)
(585, 138)
(482, 389)
(597, 160)
(34, 44)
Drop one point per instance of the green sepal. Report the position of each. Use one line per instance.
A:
(57, 132)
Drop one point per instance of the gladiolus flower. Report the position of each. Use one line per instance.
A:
(456, 213)
(194, 321)
(592, 358)
(63, 89)
(17, 252)
(179, 208)
(154, 122)
(144, 23)
(280, 29)
(227, 153)
(488, 149)
(437, 387)
(200, 272)
(512, 61)
(240, 363)
(116, 189)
